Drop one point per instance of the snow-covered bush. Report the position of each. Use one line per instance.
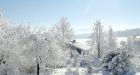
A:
(117, 63)
(108, 57)
(121, 65)
(106, 62)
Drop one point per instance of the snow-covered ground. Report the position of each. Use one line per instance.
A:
(82, 71)
(101, 73)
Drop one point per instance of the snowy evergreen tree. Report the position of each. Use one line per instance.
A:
(111, 44)
(117, 63)
(105, 63)
(121, 65)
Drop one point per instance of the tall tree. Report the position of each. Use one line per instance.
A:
(63, 30)
(8, 43)
(97, 38)
(59, 36)
(33, 46)
(63, 33)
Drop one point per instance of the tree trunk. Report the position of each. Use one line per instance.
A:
(98, 51)
(99, 42)
(38, 68)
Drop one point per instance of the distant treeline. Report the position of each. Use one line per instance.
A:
(128, 32)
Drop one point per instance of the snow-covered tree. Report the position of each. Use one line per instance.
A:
(97, 38)
(63, 32)
(111, 44)
(58, 38)
(55, 54)
(8, 43)
(33, 46)
(27, 49)
(130, 44)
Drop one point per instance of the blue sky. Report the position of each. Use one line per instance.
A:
(120, 14)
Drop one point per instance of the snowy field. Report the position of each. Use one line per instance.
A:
(119, 39)
(83, 43)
